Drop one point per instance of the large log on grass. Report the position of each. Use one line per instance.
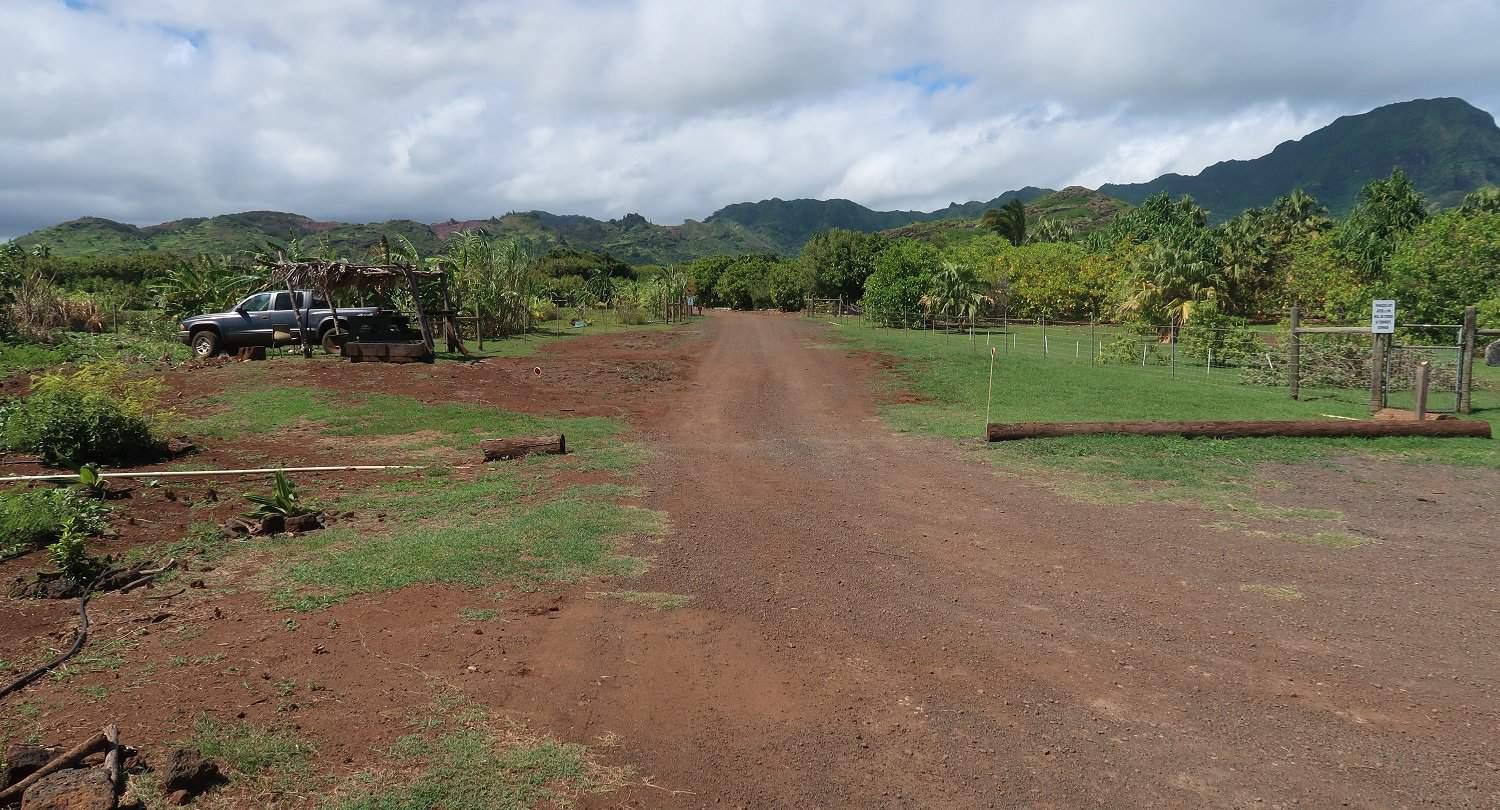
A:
(1002, 432)
(498, 449)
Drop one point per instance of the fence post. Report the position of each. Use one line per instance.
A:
(1420, 409)
(1093, 343)
(1172, 348)
(1466, 360)
(1294, 355)
(1377, 373)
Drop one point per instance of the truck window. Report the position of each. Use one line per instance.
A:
(283, 302)
(257, 303)
(319, 302)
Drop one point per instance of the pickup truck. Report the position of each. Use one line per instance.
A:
(268, 319)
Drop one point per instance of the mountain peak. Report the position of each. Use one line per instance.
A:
(1447, 146)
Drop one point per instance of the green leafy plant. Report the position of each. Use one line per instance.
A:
(98, 413)
(69, 554)
(33, 518)
(282, 501)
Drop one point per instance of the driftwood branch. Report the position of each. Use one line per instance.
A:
(58, 762)
(1001, 432)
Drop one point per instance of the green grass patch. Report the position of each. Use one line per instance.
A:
(651, 599)
(478, 614)
(457, 762)
(248, 750)
(558, 540)
(252, 408)
(951, 375)
(549, 332)
(1285, 592)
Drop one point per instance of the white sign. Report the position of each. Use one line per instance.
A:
(1383, 317)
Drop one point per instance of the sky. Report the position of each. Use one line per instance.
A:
(145, 111)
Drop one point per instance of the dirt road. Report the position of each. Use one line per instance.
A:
(881, 620)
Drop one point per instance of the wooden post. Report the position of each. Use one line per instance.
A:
(1377, 373)
(1093, 342)
(1172, 348)
(416, 300)
(291, 295)
(1294, 355)
(1420, 408)
(1466, 360)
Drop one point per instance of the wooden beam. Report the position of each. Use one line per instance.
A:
(1001, 432)
(500, 449)
(1333, 330)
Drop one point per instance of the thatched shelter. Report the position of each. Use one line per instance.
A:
(330, 276)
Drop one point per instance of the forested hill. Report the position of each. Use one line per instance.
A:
(790, 223)
(1446, 146)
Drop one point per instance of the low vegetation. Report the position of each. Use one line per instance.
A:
(98, 413)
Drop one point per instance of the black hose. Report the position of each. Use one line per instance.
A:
(78, 642)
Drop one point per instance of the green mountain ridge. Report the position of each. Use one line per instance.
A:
(1447, 147)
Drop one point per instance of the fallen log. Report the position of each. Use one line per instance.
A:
(499, 449)
(1003, 432)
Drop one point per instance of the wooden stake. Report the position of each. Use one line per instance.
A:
(1294, 355)
(989, 398)
(1466, 360)
(1420, 408)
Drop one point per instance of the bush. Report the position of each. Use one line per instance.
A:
(96, 414)
(35, 517)
(745, 284)
(1230, 339)
(790, 286)
(903, 273)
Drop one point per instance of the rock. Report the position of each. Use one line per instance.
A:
(22, 761)
(187, 769)
(85, 789)
(271, 524)
(177, 798)
(1492, 354)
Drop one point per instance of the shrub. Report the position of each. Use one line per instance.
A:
(903, 273)
(790, 286)
(96, 414)
(35, 517)
(745, 284)
(1230, 339)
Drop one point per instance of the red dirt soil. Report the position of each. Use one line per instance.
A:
(878, 620)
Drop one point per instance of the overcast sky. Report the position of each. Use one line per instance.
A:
(150, 110)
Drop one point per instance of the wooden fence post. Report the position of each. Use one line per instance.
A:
(1294, 355)
(1420, 408)
(1466, 359)
(1377, 373)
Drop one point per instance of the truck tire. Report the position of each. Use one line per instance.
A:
(330, 346)
(205, 343)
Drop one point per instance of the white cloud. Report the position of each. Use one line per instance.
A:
(146, 110)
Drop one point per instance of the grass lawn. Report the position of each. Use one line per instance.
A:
(601, 322)
(951, 374)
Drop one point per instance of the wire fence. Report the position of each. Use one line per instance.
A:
(1236, 355)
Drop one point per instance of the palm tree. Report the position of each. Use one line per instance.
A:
(956, 291)
(1486, 200)
(1051, 230)
(1172, 282)
(1299, 214)
(1008, 220)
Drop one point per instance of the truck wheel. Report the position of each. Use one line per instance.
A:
(330, 342)
(205, 343)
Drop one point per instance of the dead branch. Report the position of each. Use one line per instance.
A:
(68, 757)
